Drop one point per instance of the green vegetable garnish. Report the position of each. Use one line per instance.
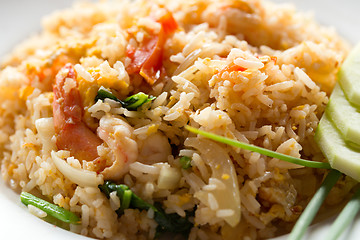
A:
(185, 162)
(346, 216)
(103, 93)
(136, 100)
(167, 222)
(125, 203)
(313, 207)
(51, 209)
(131, 103)
(260, 150)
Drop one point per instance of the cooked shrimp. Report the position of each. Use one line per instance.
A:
(118, 135)
(155, 148)
(71, 133)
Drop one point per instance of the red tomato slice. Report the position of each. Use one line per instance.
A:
(147, 59)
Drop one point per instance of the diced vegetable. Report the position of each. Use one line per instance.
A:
(147, 58)
(167, 222)
(260, 150)
(131, 103)
(151, 68)
(126, 199)
(136, 100)
(313, 207)
(185, 162)
(51, 209)
(103, 93)
(168, 178)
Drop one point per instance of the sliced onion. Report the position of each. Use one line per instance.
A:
(81, 177)
(168, 178)
(45, 128)
(223, 170)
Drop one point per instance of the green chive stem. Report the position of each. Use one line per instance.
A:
(346, 216)
(126, 199)
(51, 209)
(313, 207)
(264, 151)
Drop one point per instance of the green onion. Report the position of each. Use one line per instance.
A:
(103, 93)
(260, 150)
(313, 207)
(131, 103)
(51, 209)
(166, 222)
(136, 100)
(126, 199)
(346, 216)
(185, 162)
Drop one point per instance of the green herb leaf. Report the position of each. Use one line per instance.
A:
(260, 150)
(167, 222)
(172, 222)
(51, 209)
(346, 216)
(131, 103)
(313, 207)
(185, 162)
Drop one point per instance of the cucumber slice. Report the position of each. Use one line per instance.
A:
(349, 76)
(340, 155)
(344, 115)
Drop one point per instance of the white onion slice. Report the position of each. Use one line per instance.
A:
(81, 177)
(45, 128)
(168, 178)
(223, 170)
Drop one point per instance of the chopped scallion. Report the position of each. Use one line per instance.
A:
(131, 103)
(126, 199)
(136, 100)
(260, 150)
(167, 222)
(103, 93)
(185, 162)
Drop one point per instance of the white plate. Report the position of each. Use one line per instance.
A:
(18, 19)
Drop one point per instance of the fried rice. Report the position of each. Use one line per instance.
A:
(252, 71)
